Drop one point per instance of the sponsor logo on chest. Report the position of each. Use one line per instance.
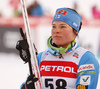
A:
(58, 68)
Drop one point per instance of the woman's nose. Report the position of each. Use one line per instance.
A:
(57, 30)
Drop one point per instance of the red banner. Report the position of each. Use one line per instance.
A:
(58, 68)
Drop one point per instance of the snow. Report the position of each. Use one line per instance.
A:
(13, 71)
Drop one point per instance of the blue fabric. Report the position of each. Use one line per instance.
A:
(39, 58)
(71, 49)
(37, 11)
(22, 85)
(68, 16)
(89, 58)
(54, 51)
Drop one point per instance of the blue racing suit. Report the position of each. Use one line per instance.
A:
(76, 69)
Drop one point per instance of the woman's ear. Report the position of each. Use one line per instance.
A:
(76, 32)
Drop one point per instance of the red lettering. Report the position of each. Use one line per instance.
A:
(63, 12)
(86, 67)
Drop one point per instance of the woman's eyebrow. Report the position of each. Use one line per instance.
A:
(59, 24)
(53, 24)
(62, 24)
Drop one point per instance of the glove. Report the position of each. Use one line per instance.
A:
(23, 48)
(30, 82)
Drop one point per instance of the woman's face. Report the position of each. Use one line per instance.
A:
(62, 34)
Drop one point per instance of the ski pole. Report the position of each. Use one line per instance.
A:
(33, 59)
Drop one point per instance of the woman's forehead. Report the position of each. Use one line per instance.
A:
(60, 23)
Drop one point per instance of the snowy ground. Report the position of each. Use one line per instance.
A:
(13, 71)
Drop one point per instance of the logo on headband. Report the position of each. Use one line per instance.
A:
(63, 12)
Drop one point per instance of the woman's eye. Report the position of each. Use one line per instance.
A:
(53, 26)
(62, 26)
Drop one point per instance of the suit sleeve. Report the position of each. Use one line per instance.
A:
(39, 58)
(88, 72)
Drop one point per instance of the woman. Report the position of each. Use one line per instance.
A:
(66, 65)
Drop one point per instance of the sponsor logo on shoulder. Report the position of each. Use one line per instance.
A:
(86, 72)
(76, 55)
(85, 80)
(86, 67)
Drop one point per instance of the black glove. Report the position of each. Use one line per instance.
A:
(30, 82)
(23, 48)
